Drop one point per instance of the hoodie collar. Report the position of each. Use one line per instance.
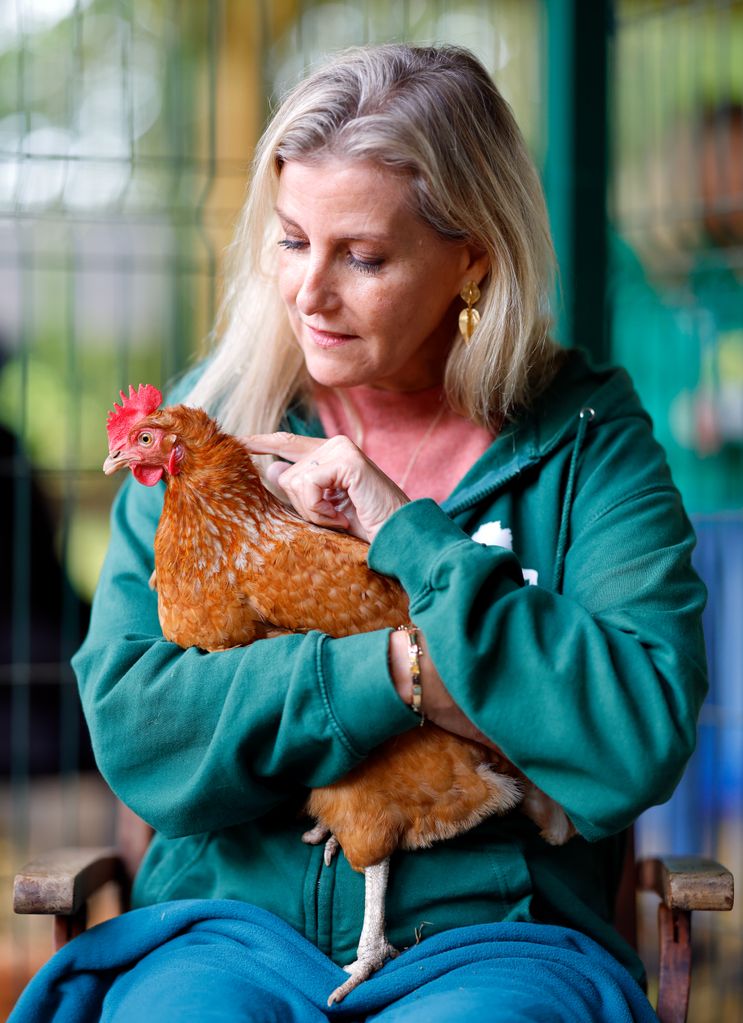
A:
(560, 417)
(526, 441)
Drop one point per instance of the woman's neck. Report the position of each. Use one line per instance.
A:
(413, 436)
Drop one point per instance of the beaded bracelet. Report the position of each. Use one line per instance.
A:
(414, 652)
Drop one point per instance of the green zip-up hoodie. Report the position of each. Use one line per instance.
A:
(589, 678)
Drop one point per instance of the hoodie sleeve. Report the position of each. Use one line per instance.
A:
(193, 741)
(593, 692)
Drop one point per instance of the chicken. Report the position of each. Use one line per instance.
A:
(234, 565)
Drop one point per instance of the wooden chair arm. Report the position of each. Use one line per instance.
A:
(62, 881)
(684, 883)
(687, 882)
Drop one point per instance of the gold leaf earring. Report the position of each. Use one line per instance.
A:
(469, 317)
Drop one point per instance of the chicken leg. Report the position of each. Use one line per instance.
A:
(374, 950)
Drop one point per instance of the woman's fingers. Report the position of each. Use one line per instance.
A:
(314, 489)
(289, 446)
(330, 482)
(275, 470)
(315, 501)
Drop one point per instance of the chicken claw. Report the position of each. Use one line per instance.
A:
(331, 848)
(360, 970)
(317, 835)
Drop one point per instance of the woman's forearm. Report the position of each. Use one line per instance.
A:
(437, 705)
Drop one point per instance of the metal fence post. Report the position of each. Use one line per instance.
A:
(575, 170)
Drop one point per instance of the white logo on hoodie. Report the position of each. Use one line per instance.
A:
(493, 534)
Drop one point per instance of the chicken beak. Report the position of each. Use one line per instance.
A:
(116, 460)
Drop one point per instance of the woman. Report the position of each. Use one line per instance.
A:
(550, 580)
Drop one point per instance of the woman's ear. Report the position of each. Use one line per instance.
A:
(477, 264)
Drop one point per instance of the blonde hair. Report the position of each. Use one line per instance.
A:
(435, 114)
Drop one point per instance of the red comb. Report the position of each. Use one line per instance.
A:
(135, 406)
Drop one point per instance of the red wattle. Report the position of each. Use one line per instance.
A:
(147, 474)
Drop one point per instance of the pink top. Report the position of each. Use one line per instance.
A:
(413, 436)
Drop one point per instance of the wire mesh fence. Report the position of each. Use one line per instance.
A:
(107, 270)
(126, 131)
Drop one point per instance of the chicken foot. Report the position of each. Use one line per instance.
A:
(317, 835)
(374, 950)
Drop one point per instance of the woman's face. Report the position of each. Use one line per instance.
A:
(371, 291)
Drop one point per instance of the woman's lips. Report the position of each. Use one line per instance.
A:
(328, 339)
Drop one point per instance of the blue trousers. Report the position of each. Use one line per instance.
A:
(227, 962)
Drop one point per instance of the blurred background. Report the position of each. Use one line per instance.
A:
(126, 131)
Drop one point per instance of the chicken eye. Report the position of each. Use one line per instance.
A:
(146, 439)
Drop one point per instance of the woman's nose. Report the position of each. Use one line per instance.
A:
(317, 291)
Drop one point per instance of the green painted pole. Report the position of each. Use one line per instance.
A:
(575, 170)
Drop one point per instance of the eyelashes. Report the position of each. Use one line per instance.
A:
(364, 266)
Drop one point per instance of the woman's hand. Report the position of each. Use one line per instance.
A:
(437, 704)
(330, 482)
(333, 483)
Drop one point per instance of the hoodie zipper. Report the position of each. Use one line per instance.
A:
(324, 886)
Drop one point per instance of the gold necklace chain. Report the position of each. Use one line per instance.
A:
(355, 421)
(354, 418)
(421, 445)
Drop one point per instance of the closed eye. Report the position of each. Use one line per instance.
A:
(364, 266)
(292, 244)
